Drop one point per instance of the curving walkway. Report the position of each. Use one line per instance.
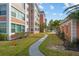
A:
(34, 49)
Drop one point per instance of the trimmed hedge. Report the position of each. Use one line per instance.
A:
(3, 37)
(21, 34)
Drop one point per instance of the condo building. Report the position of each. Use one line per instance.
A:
(70, 27)
(13, 18)
(34, 18)
(42, 21)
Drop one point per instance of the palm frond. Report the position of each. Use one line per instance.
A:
(72, 10)
(72, 7)
(74, 15)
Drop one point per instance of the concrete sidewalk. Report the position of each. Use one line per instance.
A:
(34, 48)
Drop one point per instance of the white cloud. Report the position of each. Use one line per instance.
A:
(67, 4)
(46, 12)
(51, 7)
(75, 3)
(41, 7)
(64, 7)
(61, 14)
(54, 14)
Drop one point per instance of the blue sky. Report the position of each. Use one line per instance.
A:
(54, 10)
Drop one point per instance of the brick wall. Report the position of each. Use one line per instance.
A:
(66, 28)
(78, 29)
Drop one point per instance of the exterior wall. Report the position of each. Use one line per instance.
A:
(26, 18)
(42, 17)
(66, 28)
(42, 20)
(77, 30)
(71, 29)
(36, 19)
(18, 7)
(33, 18)
(19, 15)
(4, 8)
(7, 20)
(18, 20)
(4, 19)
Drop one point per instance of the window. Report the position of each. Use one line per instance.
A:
(13, 14)
(36, 24)
(21, 16)
(36, 29)
(2, 24)
(16, 13)
(31, 29)
(22, 28)
(2, 12)
(17, 28)
(12, 28)
(2, 9)
(2, 30)
(2, 27)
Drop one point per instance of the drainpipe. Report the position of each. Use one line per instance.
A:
(73, 31)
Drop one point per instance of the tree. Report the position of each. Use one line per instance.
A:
(72, 8)
(50, 25)
(53, 25)
(73, 12)
(56, 23)
(42, 27)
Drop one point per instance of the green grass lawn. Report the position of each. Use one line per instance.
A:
(18, 47)
(53, 40)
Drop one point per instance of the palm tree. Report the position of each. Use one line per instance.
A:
(74, 15)
(73, 12)
(72, 8)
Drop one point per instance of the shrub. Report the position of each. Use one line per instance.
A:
(77, 41)
(20, 34)
(13, 43)
(73, 44)
(3, 37)
(62, 35)
(26, 34)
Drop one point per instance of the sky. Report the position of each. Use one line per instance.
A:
(54, 11)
